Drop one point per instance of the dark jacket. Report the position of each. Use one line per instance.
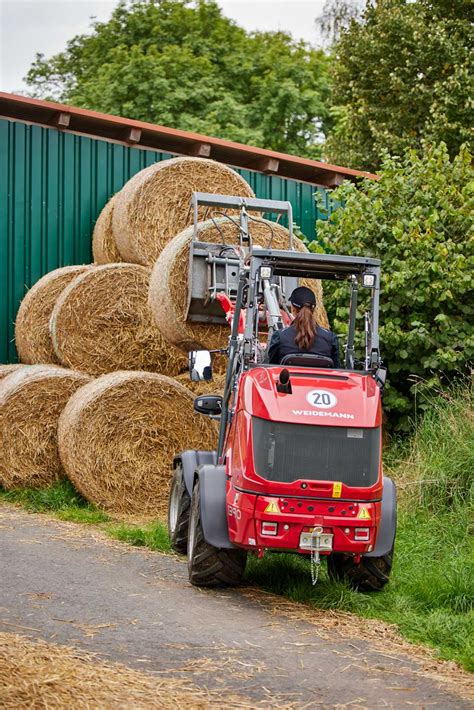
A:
(283, 343)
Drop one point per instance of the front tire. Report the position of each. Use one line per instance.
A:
(179, 506)
(371, 574)
(210, 566)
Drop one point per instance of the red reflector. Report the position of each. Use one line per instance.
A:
(362, 534)
(269, 528)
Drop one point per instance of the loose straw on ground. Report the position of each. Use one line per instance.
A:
(119, 434)
(168, 296)
(104, 248)
(154, 205)
(102, 322)
(32, 337)
(35, 675)
(31, 400)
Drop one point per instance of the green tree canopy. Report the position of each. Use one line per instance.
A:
(184, 65)
(402, 73)
(418, 220)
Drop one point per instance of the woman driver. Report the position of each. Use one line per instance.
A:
(303, 335)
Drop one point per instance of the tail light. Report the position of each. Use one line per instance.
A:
(362, 534)
(269, 528)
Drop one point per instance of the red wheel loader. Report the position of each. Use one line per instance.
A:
(298, 461)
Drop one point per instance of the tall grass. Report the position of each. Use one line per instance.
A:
(436, 469)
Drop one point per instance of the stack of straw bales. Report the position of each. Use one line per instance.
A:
(123, 321)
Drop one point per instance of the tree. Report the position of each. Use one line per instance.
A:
(336, 16)
(183, 64)
(418, 220)
(401, 74)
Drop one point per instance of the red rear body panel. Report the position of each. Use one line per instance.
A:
(319, 398)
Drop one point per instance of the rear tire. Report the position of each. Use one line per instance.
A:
(371, 574)
(210, 566)
(179, 506)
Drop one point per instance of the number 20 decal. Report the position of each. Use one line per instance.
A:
(322, 399)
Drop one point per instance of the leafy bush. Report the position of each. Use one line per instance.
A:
(418, 220)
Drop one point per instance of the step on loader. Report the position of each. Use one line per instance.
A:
(298, 464)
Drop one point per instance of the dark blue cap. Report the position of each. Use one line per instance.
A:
(303, 296)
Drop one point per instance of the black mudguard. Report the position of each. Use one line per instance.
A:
(388, 524)
(191, 461)
(212, 486)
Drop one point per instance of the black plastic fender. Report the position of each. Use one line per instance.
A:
(212, 485)
(191, 460)
(388, 524)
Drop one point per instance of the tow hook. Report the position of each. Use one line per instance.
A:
(315, 556)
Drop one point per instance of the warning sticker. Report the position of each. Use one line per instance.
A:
(336, 489)
(363, 514)
(272, 507)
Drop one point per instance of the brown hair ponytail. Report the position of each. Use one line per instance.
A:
(305, 327)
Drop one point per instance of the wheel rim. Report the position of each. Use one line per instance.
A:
(174, 507)
(191, 532)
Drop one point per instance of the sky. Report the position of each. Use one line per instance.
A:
(30, 26)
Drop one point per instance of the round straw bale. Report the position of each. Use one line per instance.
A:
(31, 400)
(104, 248)
(32, 337)
(169, 281)
(102, 322)
(8, 369)
(154, 205)
(118, 435)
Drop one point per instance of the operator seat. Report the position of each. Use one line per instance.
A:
(307, 360)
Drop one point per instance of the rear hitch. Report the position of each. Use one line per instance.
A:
(315, 556)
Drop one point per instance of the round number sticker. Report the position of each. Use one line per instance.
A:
(322, 399)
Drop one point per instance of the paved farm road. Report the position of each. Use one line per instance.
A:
(66, 584)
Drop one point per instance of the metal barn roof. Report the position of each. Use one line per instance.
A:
(148, 135)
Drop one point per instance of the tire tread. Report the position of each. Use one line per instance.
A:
(212, 566)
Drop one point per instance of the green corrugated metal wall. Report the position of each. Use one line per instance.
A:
(53, 186)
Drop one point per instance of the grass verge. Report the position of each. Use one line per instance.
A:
(59, 498)
(65, 503)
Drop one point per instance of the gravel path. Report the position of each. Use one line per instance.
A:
(67, 584)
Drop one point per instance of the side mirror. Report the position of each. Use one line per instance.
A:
(211, 405)
(200, 365)
(380, 377)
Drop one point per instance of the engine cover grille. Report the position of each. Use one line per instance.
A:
(290, 452)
